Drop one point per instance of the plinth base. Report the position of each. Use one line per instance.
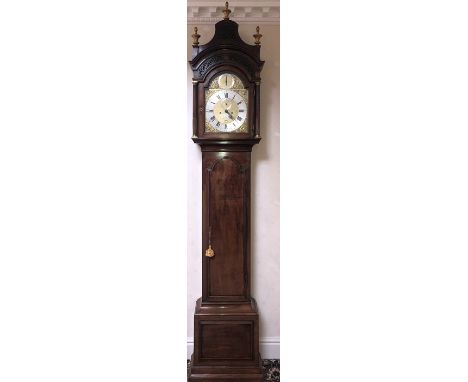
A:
(225, 374)
(226, 343)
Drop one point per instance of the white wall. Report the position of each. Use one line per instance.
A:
(265, 194)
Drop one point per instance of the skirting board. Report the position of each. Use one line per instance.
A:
(269, 347)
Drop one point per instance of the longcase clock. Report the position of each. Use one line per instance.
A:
(226, 125)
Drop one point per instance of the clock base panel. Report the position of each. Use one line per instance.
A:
(226, 343)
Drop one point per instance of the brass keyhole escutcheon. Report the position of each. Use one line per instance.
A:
(209, 252)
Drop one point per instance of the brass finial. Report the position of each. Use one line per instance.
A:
(257, 36)
(226, 11)
(195, 37)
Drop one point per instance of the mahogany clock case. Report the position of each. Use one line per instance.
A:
(226, 320)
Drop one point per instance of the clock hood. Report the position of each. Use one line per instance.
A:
(226, 47)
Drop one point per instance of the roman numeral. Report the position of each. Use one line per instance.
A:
(217, 124)
(212, 118)
(209, 111)
(241, 110)
(239, 102)
(225, 95)
(225, 126)
(218, 96)
(239, 118)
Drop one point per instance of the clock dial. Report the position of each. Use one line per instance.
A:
(226, 105)
(226, 110)
(226, 81)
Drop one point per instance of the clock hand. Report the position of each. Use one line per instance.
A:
(228, 113)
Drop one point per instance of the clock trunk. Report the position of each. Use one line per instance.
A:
(226, 226)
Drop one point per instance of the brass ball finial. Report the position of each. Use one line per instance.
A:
(195, 37)
(226, 11)
(257, 36)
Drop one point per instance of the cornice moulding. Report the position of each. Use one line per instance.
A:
(208, 12)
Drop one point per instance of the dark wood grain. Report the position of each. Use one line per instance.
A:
(226, 214)
(227, 340)
(227, 210)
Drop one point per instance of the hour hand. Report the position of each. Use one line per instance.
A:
(228, 113)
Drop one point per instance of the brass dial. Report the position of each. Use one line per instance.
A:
(226, 105)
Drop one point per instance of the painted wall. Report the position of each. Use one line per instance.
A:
(265, 194)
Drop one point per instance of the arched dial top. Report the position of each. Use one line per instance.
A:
(226, 103)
